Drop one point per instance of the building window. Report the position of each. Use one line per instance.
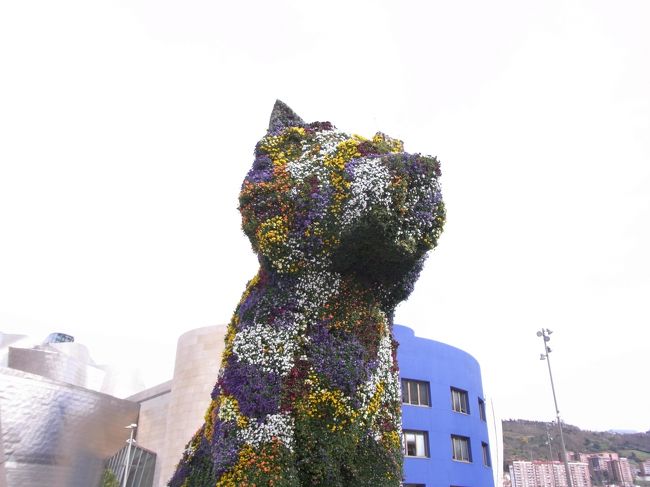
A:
(415, 392)
(461, 451)
(481, 409)
(416, 444)
(486, 454)
(459, 402)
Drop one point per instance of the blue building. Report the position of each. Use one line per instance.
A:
(444, 419)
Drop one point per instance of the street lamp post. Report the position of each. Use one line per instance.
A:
(550, 452)
(127, 465)
(544, 334)
(548, 442)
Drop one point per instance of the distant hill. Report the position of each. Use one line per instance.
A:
(525, 440)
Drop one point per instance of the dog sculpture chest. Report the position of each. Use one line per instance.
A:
(308, 391)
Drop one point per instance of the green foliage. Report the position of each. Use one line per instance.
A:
(345, 457)
(201, 474)
(109, 479)
(637, 455)
(525, 440)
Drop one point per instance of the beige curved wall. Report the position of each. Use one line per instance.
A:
(198, 357)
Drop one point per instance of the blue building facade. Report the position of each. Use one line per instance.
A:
(444, 419)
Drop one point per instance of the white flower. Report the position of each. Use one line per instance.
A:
(275, 426)
(227, 409)
(269, 347)
(369, 188)
(382, 374)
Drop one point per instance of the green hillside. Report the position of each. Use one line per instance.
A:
(526, 440)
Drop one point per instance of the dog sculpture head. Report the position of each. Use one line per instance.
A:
(319, 199)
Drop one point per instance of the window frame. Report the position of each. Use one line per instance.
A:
(487, 460)
(425, 441)
(420, 385)
(463, 394)
(481, 410)
(468, 444)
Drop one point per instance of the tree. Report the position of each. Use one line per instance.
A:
(109, 479)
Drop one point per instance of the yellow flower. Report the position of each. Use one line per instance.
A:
(272, 233)
(383, 141)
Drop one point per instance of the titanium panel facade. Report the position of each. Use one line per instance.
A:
(48, 363)
(57, 434)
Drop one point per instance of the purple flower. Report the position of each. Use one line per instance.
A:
(256, 391)
(261, 171)
(225, 446)
(339, 358)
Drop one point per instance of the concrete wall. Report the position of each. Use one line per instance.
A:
(177, 414)
(152, 423)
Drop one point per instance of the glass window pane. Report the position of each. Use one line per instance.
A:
(415, 443)
(486, 455)
(481, 409)
(461, 449)
(413, 391)
(460, 401)
(424, 394)
(410, 444)
(419, 445)
(456, 448)
(405, 391)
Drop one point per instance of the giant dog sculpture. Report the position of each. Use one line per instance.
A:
(308, 391)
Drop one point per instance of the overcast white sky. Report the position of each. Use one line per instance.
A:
(126, 128)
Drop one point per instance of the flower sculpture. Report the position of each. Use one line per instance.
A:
(308, 392)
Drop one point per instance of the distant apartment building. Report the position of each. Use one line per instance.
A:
(599, 465)
(621, 472)
(608, 468)
(548, 474)
(645, 468)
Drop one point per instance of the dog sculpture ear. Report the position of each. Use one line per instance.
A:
(282, 117)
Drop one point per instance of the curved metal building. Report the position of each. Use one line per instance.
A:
(444, 415)
(57, 434)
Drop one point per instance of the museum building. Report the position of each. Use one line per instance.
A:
(50, 388)
(60, 418)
